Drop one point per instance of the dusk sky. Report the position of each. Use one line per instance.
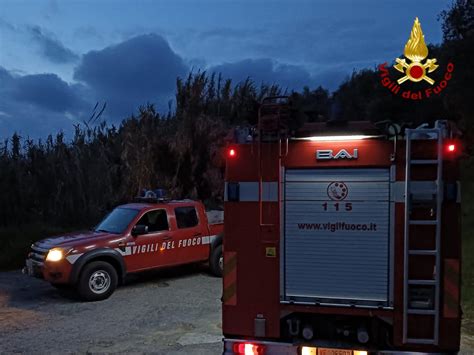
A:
(58, 58)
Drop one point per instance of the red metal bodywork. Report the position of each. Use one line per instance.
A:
(253, 226)
(150, 251)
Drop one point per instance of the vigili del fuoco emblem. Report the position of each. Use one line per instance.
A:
(416, 67)
(416, 51)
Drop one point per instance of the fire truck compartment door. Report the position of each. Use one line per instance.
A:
(336, 242)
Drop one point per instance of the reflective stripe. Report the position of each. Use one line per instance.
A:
(451, 288)
(421, 190)
(73, 258)
(128, 251)
(248, 191)
(229, 293)
(208, 239)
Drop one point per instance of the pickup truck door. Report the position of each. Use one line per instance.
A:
(155, 248)
(191, 235)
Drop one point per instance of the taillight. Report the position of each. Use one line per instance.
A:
(249, 349)
(231, 153)
(452, 148)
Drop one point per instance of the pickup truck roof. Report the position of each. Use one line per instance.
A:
(213, 216)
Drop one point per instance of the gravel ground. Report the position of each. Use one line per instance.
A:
(169, 312)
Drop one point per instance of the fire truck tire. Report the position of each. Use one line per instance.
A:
(97, 281)
(216, 262)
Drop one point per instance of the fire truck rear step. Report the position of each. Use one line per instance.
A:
(422, 252)
(424, 223)
(422, 311)
(424, 162)
(411, 200)
(422, 282)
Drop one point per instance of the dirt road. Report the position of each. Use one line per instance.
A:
(169, 312)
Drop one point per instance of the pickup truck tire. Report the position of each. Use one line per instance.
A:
(216, 262)
(97, 282)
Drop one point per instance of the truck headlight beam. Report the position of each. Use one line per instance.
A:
(55, 254)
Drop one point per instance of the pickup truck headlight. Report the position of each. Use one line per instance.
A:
(55, 254)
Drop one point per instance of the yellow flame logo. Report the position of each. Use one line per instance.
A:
(416, 51)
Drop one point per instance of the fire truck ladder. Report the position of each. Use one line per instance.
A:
(409, 307)
(273, 117)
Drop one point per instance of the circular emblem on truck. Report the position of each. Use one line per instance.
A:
(337, 191)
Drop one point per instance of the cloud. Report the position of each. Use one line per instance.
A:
(52, 48)
(139, 70)
(267, 71)
(36, 105)
(47, 91)
(132, 73)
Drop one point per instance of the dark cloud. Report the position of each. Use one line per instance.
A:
(291, 77)
(140, 70)
(47, 91)
(52, 48)
(126, 75)
(36, 105)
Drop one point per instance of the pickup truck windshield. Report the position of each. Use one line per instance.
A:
(117, 220)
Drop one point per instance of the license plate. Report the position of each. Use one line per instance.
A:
(29, 267)
(324, 351)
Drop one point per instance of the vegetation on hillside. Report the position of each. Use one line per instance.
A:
(52, 182)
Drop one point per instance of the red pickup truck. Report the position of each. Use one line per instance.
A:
(132, 238)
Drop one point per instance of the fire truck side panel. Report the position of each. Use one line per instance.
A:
(337, 236)
(251, 246)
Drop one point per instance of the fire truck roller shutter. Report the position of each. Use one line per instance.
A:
(337, 238)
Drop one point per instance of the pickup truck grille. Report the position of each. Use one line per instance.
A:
(38, 253)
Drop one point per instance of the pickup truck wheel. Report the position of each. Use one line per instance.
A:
(217, 262)
(97, 282)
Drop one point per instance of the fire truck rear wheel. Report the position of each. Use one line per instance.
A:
(217, 262)
(98, 281)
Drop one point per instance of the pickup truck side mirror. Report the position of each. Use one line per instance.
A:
(139, 229)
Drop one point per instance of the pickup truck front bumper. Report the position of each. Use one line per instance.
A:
(37, 266)
(33, 268)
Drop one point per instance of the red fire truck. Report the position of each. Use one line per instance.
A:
(341, 239)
